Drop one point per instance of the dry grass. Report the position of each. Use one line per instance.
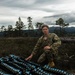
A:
(24, 46)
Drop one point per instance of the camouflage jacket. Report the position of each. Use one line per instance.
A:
(52, 40)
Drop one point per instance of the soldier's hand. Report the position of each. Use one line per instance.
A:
(29, 58)
(47, 47)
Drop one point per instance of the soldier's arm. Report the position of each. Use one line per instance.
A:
(57, 42)
(37, 46)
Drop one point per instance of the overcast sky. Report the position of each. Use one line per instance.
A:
(47, 11)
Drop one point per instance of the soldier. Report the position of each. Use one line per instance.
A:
(48, 45)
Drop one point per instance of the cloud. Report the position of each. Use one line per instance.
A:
(30, 4)
(49, 2)
(68, 18)
(37, 9)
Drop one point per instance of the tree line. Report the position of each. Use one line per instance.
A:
(19, 27)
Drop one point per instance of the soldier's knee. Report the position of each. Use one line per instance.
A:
(40, 60)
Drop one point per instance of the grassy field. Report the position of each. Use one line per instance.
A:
(17, 46)
(24, 46)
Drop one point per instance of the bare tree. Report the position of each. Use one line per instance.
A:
(61, 23)
(39, 25)
(10, 28)
(19, 25)
(2, 28)
(30, 26)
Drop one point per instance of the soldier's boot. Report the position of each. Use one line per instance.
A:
(41, 58)
(51, 64)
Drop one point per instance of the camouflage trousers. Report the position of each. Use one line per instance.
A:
(47, 54)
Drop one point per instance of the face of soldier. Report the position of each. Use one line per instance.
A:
(45, 30)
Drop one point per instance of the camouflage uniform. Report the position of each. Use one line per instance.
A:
(53, 41)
